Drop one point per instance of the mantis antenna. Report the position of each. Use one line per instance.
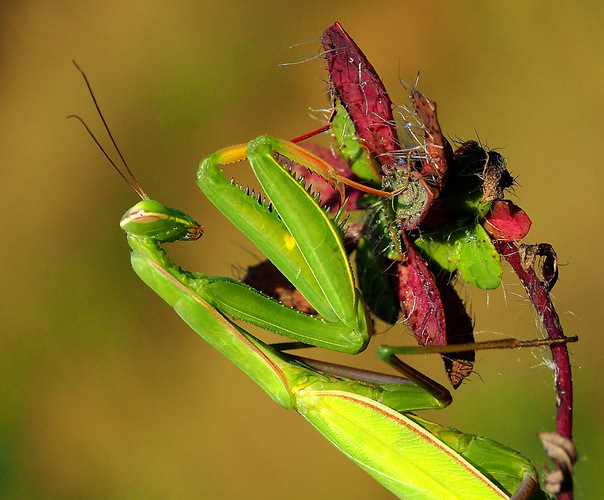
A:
(132, 182)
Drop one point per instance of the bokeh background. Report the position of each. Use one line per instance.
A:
(104, 393)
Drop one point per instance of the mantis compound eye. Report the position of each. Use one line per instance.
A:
(151, 219)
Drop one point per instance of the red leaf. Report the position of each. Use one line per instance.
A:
(420, 300)
(427, 317)
(506, 221)
(361, 92)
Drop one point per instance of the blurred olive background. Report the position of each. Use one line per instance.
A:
(104, 392)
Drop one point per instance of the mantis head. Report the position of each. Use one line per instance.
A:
(150, 219)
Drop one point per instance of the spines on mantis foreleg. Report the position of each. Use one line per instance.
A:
(264, 228)
(248, 304)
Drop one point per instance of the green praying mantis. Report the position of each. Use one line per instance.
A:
(367, 415)
(367, 418)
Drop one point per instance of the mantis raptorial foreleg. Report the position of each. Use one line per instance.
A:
(310, 254)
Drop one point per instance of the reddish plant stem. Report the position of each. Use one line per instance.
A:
(549, 317)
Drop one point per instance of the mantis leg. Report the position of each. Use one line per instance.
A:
(303, 242)
(388, 354)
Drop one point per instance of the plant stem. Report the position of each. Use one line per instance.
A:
(540, 298)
